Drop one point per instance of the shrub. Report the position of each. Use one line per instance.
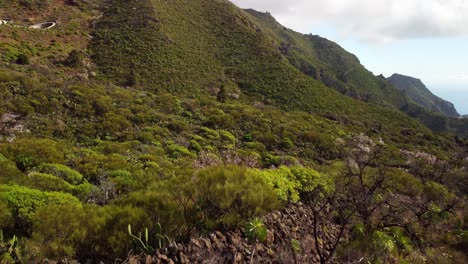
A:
(74, 59)
(57, 230)
(229, 195)
(23, 203)
(71, 176)
(8, 171)
(228, 140)
(177, 151)
(29, 152)
(22, 59)
(290, 183)
(6, 218)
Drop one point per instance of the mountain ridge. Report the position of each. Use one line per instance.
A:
(417, 91)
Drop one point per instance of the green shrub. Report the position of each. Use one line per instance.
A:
(290, 183)
(124, 180)
(209, 134)
(58, 229)
(228, 195)
(195, 146)
(23, 203)
(71, 176)
(6, 218)
(177, 151)
(228, 140)
(9, 172)
(48, 182)
(29, 152)
(74, 59)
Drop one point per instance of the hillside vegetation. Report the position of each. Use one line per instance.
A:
(418, 92)
(178, 118)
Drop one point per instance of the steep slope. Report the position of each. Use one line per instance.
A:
(193, 48)
(418, 92)
(329, 63)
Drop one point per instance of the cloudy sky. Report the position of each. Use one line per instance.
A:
(427, 39)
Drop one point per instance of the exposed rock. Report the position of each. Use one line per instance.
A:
(10, 124)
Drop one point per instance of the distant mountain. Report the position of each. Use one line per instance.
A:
(418, 92)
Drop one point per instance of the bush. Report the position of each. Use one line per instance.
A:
(22, 59)
(74, 59)
(228, 195)
(48, 182)
(29, 152)
(23, 203)
(292, 183)
(58, 228)
(9, 172)
(6, 218)
(71, 176)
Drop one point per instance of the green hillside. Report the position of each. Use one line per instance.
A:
(418, 92)
(329, 63)
(177, 119)
(189, 50)
(326, 61)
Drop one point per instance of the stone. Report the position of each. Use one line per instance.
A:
(195, 243)
(183, 258)
(238, 258)
(148, 260)
(221, 236)
(270, 237)
(173, 249)
(207, 243)
(163, 257)
(234, 240)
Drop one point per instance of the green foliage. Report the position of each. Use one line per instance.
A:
(383, 242)
(74, 59)
(29, 153)
(232, 86)
(8, 171)
(10, 251)
(61, 241)
(71, 176)
(23, 203)
(177, 151)
(48, 182)
(255, 230)
(142, 243)
(290, 183)
(6, 217)
(296, 246)
(228, 195)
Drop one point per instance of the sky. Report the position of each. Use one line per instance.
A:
(425, 39)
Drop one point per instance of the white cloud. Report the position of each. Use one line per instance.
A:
(381, 20)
